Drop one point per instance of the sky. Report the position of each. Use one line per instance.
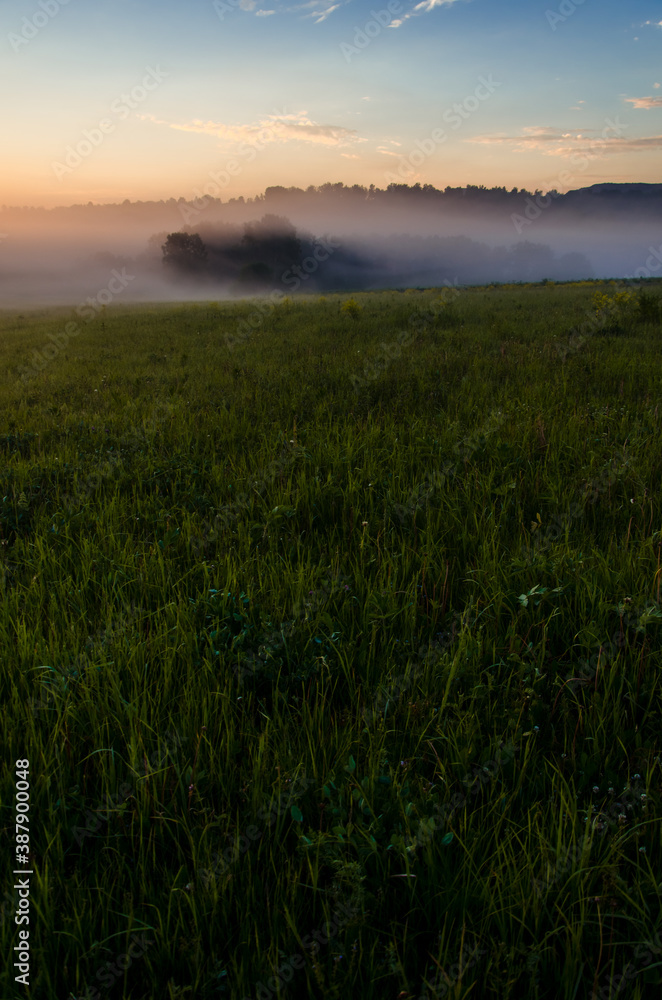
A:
(133, 99)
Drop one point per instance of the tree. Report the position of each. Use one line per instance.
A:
(272, 242)
(185, 252)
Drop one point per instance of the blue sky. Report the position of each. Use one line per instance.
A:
(328, 94)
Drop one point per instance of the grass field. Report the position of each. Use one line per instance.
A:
(331, 635)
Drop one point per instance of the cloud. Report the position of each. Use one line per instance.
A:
(645, 102)
(421, 8)
(532, 137)
(389, 152)
(652, 24)
(636, 145)
(322, 16)
(556, 142)
(318, 10)
(274, 128)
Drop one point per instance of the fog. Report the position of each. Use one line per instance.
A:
(339, 239)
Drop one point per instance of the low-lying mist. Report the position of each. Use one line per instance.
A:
(331, 238)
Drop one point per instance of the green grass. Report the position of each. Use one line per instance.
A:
(337, 618)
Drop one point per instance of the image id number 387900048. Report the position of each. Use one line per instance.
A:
(22, 886)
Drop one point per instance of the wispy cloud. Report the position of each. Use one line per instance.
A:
(541, 137)
(322, 15)
(319, 10)
(645, 102)
(273, 128)
(421, 8)
(557, 142)
(383, 147)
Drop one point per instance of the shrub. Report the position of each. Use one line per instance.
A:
(649, 308)
(351, 308)
(614, 311)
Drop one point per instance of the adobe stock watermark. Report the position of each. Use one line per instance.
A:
(257, 658)
(376, 367)
(269, 813)
(534, 207)
(292, 279)
(637, 618)
(577, 855)
(121, 108)
(443, 981)
(455, 118)
(560, 16)
(379, 20)
(47, 700)
(191, 211)
(136, 437)
(596, 320)
(464, 449)
(481, 775)
(226, 515)
(108, 973)
(642, 956)
(557, 525)
(223, 7)
(343, 914)
(95, 818)
(394, 689)
(31, 26)
(87, 310)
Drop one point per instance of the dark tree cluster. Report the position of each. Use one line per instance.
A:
(185, 252)
(256, 258)
(270, 254)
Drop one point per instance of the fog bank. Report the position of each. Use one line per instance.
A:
(398, 237)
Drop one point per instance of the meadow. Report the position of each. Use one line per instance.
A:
(331, 632)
